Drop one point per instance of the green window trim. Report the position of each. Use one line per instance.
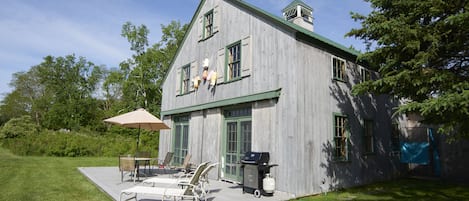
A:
(180, 141)
(225, 102)
(185, 79)
(233, 68)
(341, 137)
(365, 74)
(236, 140)
(368, 137)
(208, 25)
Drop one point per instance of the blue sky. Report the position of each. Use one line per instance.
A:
(33, 29)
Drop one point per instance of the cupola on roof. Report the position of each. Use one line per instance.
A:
(299, 13)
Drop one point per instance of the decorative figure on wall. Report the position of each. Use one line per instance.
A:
(213, 78)
(196, 82)
(205, 66)
(205, 73)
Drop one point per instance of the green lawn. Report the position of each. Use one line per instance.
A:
(403, 189)
(48, 178)
(55, 178)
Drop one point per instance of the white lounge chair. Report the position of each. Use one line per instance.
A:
(191, 191)
(184, 178)
(203, 181)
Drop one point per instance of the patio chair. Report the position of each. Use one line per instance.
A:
(185, 178)
(203, 180)
(185, 165)
(127, 164)
(191, 191)
(167, 159)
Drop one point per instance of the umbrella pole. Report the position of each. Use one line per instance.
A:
(138, 138)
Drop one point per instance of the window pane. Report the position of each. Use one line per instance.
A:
(181, 139)
(185, 79)
(234, 61)
(246, 134)
(340, 137)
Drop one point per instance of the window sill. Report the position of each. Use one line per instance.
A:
(183, 94)
(234, 80)
(208, 37)
(338, 80)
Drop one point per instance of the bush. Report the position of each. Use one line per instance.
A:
(73, 144)
(19, 127)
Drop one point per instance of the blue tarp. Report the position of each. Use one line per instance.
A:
(415, 152)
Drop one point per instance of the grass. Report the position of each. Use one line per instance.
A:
(403, 189)
(57, 178)
(48, 178)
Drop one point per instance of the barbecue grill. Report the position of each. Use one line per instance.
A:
(255, 166)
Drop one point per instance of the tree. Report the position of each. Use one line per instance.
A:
(421, 50)
(140, 77)
(58, 93)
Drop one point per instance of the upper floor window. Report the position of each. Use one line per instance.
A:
(185, 79)
(340, 137)
(365, 74)
(208, 24)
(368, 136)
(338, 69)
(234, 61)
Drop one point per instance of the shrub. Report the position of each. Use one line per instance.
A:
(19, 127)
(73, 144)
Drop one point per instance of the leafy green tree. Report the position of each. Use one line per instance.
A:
(421, 50)
(71, 84)
(137, 83)
(58, 93)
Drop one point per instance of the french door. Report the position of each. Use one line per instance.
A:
(237, 141)
(181, 139)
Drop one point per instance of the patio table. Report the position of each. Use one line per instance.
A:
(138, 161)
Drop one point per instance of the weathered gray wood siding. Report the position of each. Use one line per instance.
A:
(296, 128)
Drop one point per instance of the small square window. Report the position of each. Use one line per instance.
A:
(234, 61)
(338, 69)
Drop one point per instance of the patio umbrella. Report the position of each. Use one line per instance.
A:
(140, 119)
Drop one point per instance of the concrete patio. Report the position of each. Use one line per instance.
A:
(108, 180)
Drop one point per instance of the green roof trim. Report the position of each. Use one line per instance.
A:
(227, 102)
(184, 39)
(327, 43)
(305, 35)
(295, 3)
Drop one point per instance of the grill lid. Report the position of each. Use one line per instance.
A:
(256, 158)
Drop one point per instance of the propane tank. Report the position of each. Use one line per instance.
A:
(268, 183)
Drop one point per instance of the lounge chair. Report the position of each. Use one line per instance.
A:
(165, 163)
(203, 180)
(184, 178)
(185, 165)
(127, 164)
(191, 191)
